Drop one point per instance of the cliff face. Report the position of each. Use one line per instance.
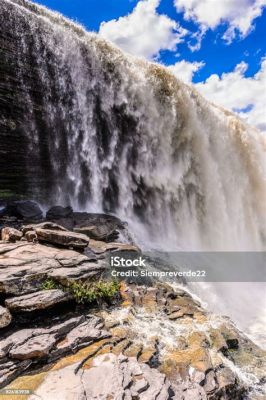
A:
(13, 144)
(23, 167)
(84, 124)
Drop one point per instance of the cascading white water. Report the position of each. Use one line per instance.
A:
(109, 132)
(126, 136)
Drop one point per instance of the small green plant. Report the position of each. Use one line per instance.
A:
(86, 292)
(94, 291)
(49, 284)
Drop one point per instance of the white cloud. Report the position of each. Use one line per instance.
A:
(245, 96)
(239, 14)
(197, 38)
(185, 70)
(144, 32)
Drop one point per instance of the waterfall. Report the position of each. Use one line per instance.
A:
(106, 131)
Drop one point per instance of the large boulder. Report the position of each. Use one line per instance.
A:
(5, 317)
(37, 301)
(10, 234)
(25, 266)
(103, 232)
(103, 227)
(63, 238)
(94, 219)
(24, 209)
(58, 212)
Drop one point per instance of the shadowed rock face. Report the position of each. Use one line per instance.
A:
(41, 110)
(19, 82)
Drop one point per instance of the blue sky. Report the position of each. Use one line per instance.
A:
(219, 45)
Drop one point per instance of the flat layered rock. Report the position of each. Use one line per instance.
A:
(63, 238)
(25, 266)
(5, 317)
(42, 225)
(103, 232)
(99, 247)
(109, 377)
(37, 301)
(48, 343)
(117, 377)
(34, 347)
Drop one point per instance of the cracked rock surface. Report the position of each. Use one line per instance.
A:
(37, 300)
(110, 377)
(25, 347)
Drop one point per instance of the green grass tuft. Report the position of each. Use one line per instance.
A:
(86, 292)
(50, 284)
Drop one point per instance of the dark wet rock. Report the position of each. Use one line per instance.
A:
(67, 223)
(25, 266)
(104, 232)
(5, 317)
(58, 212)
(24, 209)
(3, 205)
(11, 222)
(63, 238)
(101, 227)
(10, 234)
(232, 343)
(37, 301)
(91, 219)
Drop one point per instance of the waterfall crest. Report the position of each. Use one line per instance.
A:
(105, 131)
